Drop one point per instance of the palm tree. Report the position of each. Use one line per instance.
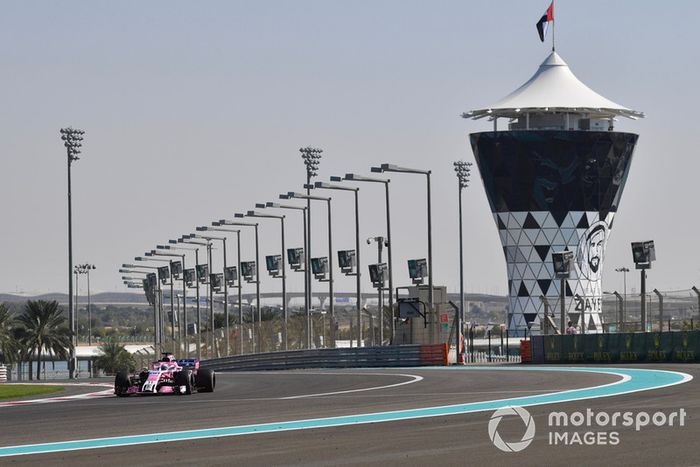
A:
(114, 358)
(45, 330)
(8, 344)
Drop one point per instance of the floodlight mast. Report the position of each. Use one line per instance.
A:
(463, 170)
(72, 140)
(312, 158)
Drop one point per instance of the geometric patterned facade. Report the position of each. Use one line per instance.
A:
(549, 191)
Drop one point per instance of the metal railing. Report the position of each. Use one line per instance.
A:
(363, 357)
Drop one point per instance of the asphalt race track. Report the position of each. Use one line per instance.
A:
(245, 399)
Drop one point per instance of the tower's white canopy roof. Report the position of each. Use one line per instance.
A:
(554, 88)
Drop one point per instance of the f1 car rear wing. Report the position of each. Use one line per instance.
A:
(188, 363)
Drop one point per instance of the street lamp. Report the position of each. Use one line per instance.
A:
(284, 268)
(72, 140)
(198, 279)
(163, 273)
(239, 286)
(358, 285)
(397, 169)
(361, 178)
(149, 284)
(309, 198)
(305, 270)
(176, 269)
(209, 238)
(85, 269)
(257, 273)
(624, 272)
(463, 171)
(174, 246)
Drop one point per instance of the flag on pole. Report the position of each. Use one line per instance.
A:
(543, 23)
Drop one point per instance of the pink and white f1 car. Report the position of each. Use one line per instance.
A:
(168, 376)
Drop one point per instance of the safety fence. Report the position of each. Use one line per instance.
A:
(363, 357)
(641, 347)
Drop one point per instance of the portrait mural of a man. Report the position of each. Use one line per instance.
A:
(591, 249)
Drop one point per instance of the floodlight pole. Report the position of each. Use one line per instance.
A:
(183, 322)
(72, 138)
(463, 171)
(620, 304)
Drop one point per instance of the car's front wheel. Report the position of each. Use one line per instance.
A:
(122, 384)
(183, 382)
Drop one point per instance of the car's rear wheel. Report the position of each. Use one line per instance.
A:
(122, 384)
(206, 380)
(184, 378)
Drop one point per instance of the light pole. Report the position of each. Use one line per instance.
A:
(358, 284)
(284, 265)
(186, 239)
(209, 238)
(176, 271)
(312, 158)
(624, 272)
(132, 268)
(72, 140)
(397, 169)
(309, 198)
(360, 178)
(161, 281)
(463, 171)
(85, 269)
(257, 274)
(174, 246)
(239, 286)
(307, 297)
(697, 292)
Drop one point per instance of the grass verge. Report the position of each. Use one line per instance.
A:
(14, 391)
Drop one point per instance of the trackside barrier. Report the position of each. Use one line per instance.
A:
(638, 347)
(363, 357)
(525, 351)
(3, 374)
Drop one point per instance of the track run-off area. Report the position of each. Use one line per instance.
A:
(374, 416)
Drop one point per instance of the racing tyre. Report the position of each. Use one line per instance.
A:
(206, 380)
(184, 378)
(121, 384)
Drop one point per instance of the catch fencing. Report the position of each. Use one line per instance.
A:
(363, 357)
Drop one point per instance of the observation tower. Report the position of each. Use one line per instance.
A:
(554, 177)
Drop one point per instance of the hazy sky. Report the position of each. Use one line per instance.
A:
(196, 110)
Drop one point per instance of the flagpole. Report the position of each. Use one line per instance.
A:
(553, 21)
